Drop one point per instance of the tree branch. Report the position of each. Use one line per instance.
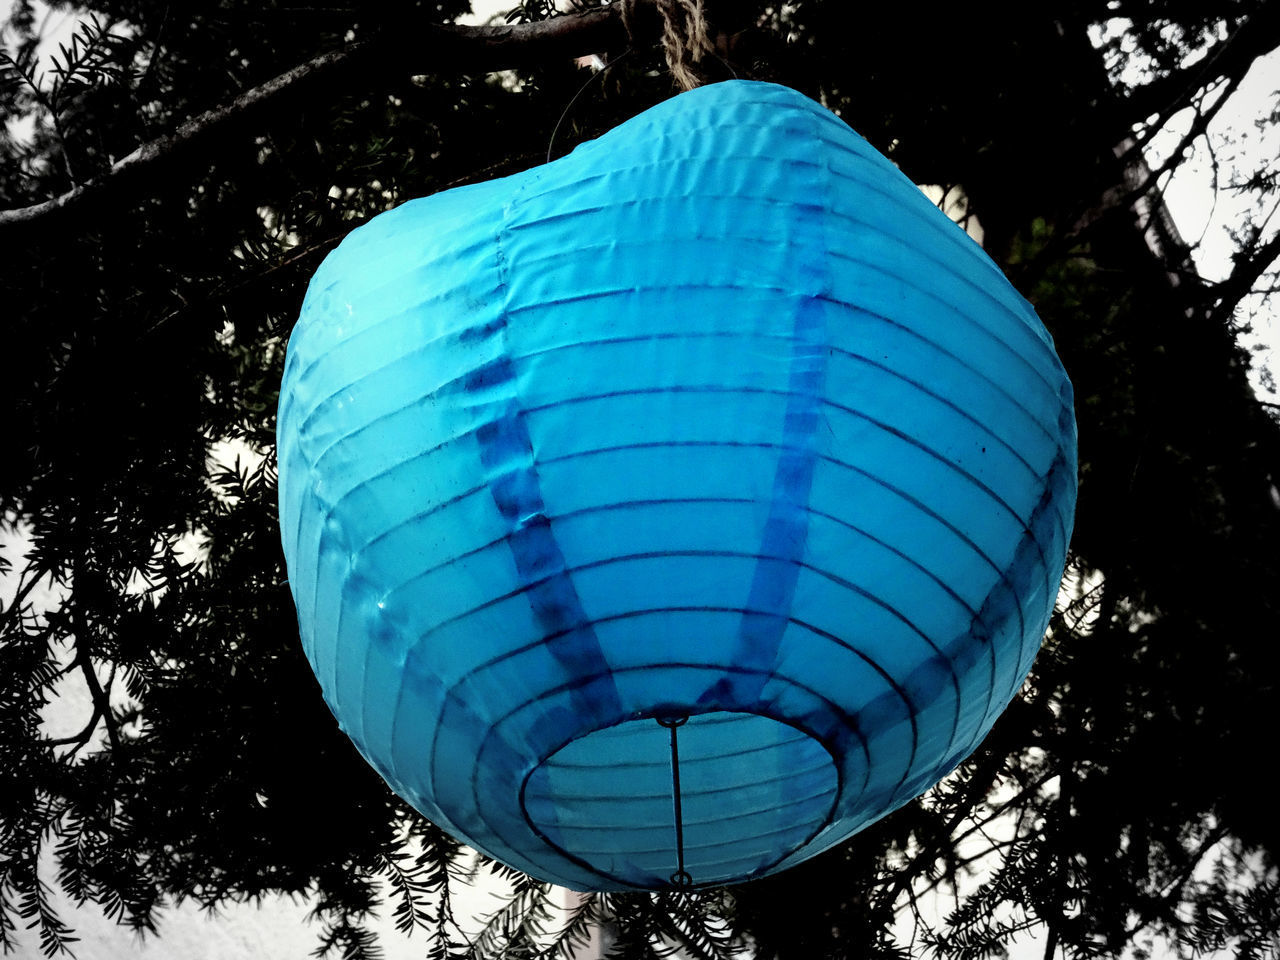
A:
(1236, 287)
(81, 738)
(413, 48)
(80, 627)
(1142, 178)
(19, 598)
(1256, 36)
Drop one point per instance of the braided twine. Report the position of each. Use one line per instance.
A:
(685, 38)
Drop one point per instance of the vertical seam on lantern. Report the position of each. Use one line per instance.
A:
(540, 564)
(783, 541)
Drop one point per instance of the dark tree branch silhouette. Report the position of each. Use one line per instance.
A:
(415, 46)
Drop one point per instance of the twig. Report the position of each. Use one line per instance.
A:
(80, 625)
(24, 589)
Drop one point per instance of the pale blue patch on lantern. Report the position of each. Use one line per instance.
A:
(716, 417)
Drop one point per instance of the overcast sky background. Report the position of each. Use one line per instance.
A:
(278, 928)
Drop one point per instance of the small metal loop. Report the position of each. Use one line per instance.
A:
(681, 880)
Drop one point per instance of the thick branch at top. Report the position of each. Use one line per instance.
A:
(428, 48)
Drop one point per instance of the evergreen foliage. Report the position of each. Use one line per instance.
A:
(1118, 807)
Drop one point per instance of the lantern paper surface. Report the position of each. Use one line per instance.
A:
(717, 417)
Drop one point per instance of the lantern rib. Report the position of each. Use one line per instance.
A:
(749, 390)
(915, 502)
(746, 390)
(373, 375)
(1020, 358)
(853, 726)
(706, 821)
(624, 764)
(625, 291)
(733, 335)
(757, 781)
(401, 587)
(658, 555)
(883, 483)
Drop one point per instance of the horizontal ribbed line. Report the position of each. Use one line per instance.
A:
(623, 291)
(421, 637)
(878, 424)
(751, 390)
(839, 581)
(410, 357)
(633, 199)
(482, 241)
(662, 554)
(510, 594)
(585, 251)
(480, 488)
(666, 794)
(942, 228)
(392, 468)
(665, 761)
(606, 168)
(722, 818)
(670, 845)
(500, 541)
(1019, 358)
(318, 457)
(836, 708)
(905, 496)
(774, 446)
(872, 182)
(973, 614)
(1014, 401)
(334, 506)
(843, 141)
(1005, 305)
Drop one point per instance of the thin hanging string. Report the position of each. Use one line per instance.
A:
(681, 877)
(574, 99)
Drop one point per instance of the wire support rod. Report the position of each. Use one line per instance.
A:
(681, 877)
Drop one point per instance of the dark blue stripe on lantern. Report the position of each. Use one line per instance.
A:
(506, 454)
(768, 607)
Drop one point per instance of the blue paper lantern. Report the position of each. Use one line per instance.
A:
(711, 451)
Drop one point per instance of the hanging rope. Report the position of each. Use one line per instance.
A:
(685, 37)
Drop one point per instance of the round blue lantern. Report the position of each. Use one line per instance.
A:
(667, 513)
